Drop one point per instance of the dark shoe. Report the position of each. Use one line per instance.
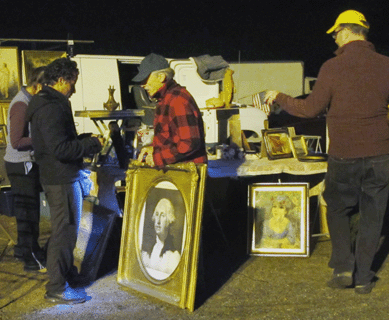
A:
(69, 296)
(39, 254)
(341, 280)
(79, 281)
(18, 256)
(365, 289)
(18, 252)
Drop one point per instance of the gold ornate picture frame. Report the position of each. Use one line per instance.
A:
(278, 219)
(299, 146)
(277, 143)
(34, 58)
(3, 136)
(166, 270)
(3, 112)
(9, 73)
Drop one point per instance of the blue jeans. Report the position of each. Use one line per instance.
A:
(361, 183)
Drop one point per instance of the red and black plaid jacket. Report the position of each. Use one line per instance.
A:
(178, 127)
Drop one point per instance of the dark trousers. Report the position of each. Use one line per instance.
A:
(26, 205)
(361, 183)
(65, 202)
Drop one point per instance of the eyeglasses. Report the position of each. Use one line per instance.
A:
(335, 33)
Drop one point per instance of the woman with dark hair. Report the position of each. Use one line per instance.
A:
(23, 173)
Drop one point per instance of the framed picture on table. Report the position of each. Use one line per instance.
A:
(161, 231)
(299, 146)
(278, 219)
(9, 73)
(277, 143)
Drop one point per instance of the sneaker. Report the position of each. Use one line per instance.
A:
(341, 280)
(365, 289)
(68, 296)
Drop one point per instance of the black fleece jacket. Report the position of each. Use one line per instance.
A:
(58, 150)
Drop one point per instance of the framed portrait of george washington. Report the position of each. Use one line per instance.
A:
(278, 219)
(9, 73)
(161, 231)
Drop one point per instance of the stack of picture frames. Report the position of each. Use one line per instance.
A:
(161, 231)
(278, 223)
(280, 143)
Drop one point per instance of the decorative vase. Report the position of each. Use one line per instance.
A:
(111, 104)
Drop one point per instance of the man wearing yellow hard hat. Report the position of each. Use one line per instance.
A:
(352, 88)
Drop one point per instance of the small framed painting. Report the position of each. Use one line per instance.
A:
(9, 73)
(279, 219)
(35, 58)
(277, 143)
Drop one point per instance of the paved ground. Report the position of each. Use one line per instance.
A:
(234, 285)
(238, 287)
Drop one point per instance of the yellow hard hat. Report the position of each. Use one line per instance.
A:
(350, 16)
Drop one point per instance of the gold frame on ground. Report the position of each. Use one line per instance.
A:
(184, 185)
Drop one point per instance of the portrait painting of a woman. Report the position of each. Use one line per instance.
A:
(278, 231)
(279, 220)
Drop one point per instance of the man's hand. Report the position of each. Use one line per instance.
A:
(146, 155)
(270, 96)
(100, 137)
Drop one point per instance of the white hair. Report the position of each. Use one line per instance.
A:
(168, 205)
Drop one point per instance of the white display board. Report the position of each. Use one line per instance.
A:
(254, 77)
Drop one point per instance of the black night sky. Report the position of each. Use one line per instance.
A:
(252, 30)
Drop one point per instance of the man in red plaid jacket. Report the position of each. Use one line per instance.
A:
(178, 126)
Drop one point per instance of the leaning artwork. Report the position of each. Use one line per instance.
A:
(32, 59)
(279, 219)
(3, 134)
(161, 231)
(9, 73)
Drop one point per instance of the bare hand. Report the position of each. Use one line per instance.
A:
(270, 96)
(146, 155)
